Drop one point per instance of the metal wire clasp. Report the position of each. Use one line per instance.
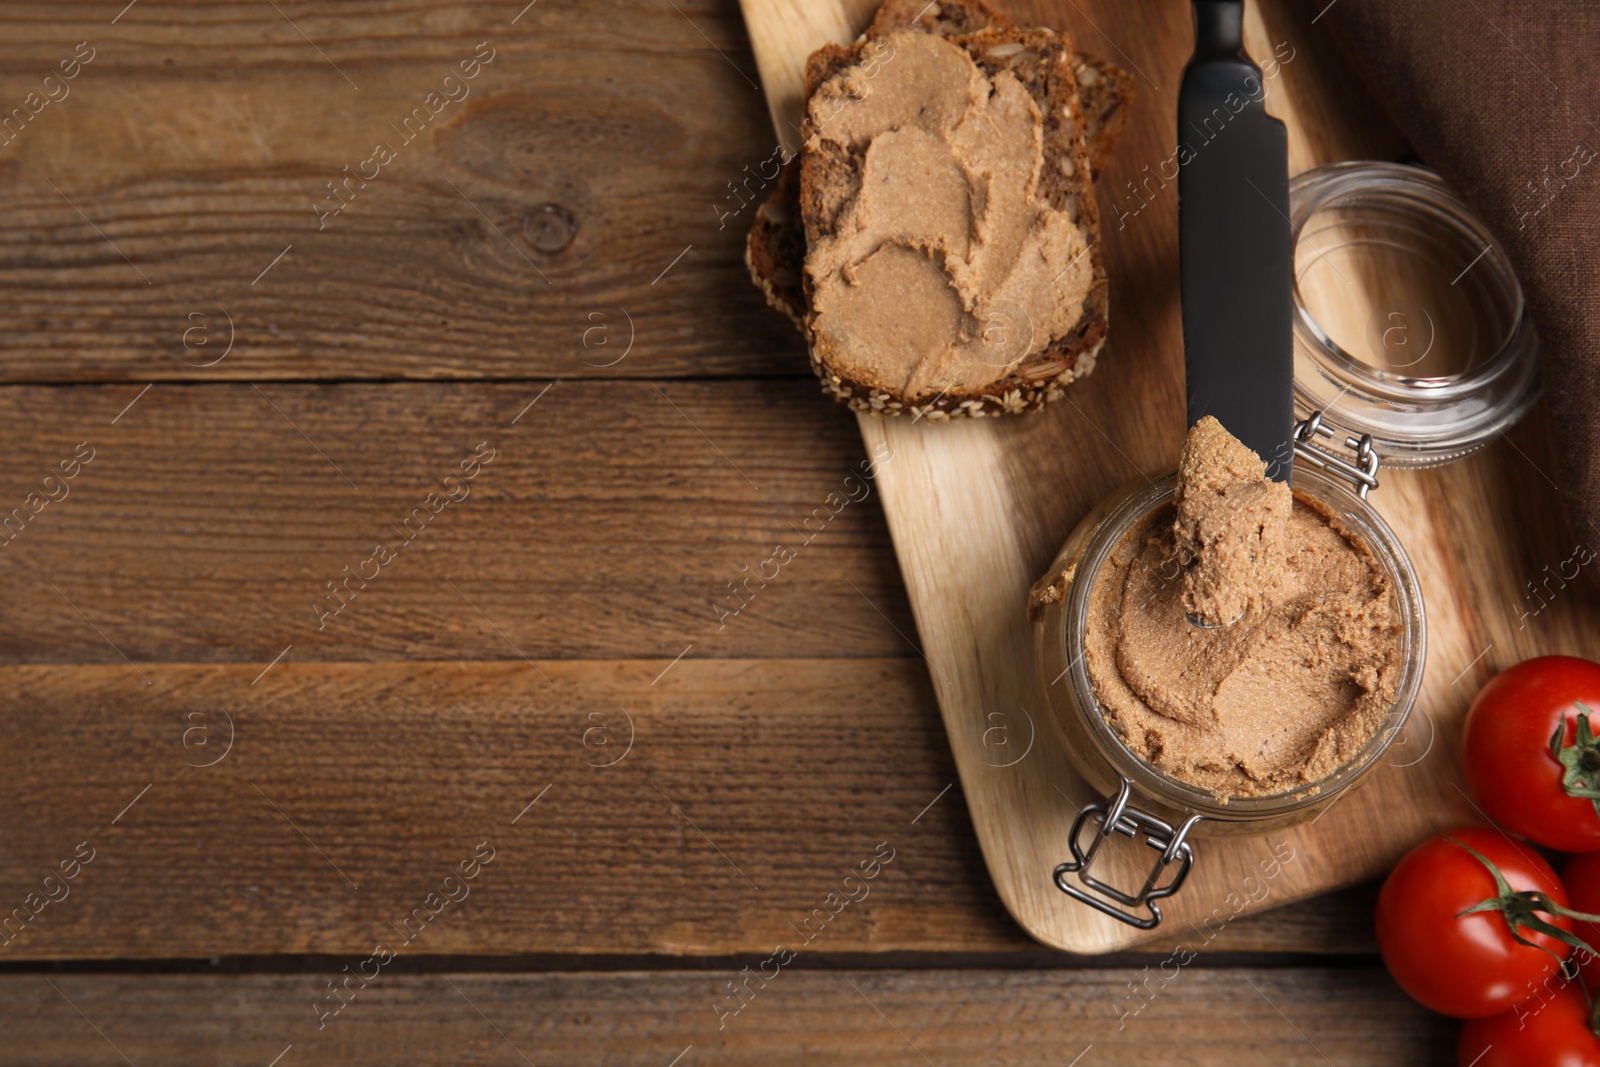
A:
(1363, 474)
(1115, 816)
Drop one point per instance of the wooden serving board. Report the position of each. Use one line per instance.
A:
(978, 508)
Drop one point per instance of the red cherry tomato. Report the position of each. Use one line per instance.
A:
(1582, 880)
(1468, 966)
(1506, 750)
(1553, 1032)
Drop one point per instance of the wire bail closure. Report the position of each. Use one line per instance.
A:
(1115, 816)
(1363, 474)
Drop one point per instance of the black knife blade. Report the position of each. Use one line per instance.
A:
(1234, 250)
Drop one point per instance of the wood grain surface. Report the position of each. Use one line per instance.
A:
(614, 521)
(1285, 1017)
(978, 507)
(200, 141)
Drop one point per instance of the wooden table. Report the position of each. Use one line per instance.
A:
(531, 793)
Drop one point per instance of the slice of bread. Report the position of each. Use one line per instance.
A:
(1075, 137)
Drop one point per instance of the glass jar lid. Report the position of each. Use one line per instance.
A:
(1409, 323)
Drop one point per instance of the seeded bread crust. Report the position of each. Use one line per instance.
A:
(809, 192)
(1104, 92)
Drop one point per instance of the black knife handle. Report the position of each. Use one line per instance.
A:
(1218, 29)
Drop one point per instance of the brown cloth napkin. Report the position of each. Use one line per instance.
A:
(1503, 100)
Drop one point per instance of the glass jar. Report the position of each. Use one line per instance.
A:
(1387, 371)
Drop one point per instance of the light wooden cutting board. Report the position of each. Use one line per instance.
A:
(978, 508)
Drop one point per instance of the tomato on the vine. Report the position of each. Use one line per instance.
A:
(1553, 1032)
(1449, 923)
(1530, 752)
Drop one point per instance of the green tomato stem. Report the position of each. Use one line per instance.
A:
(1580, 761)
(1521, 911)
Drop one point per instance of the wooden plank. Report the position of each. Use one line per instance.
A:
(752, 788)
(788, 773)
(524, 230)
(609, 524)
(1201, 1017)
(970, 543)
